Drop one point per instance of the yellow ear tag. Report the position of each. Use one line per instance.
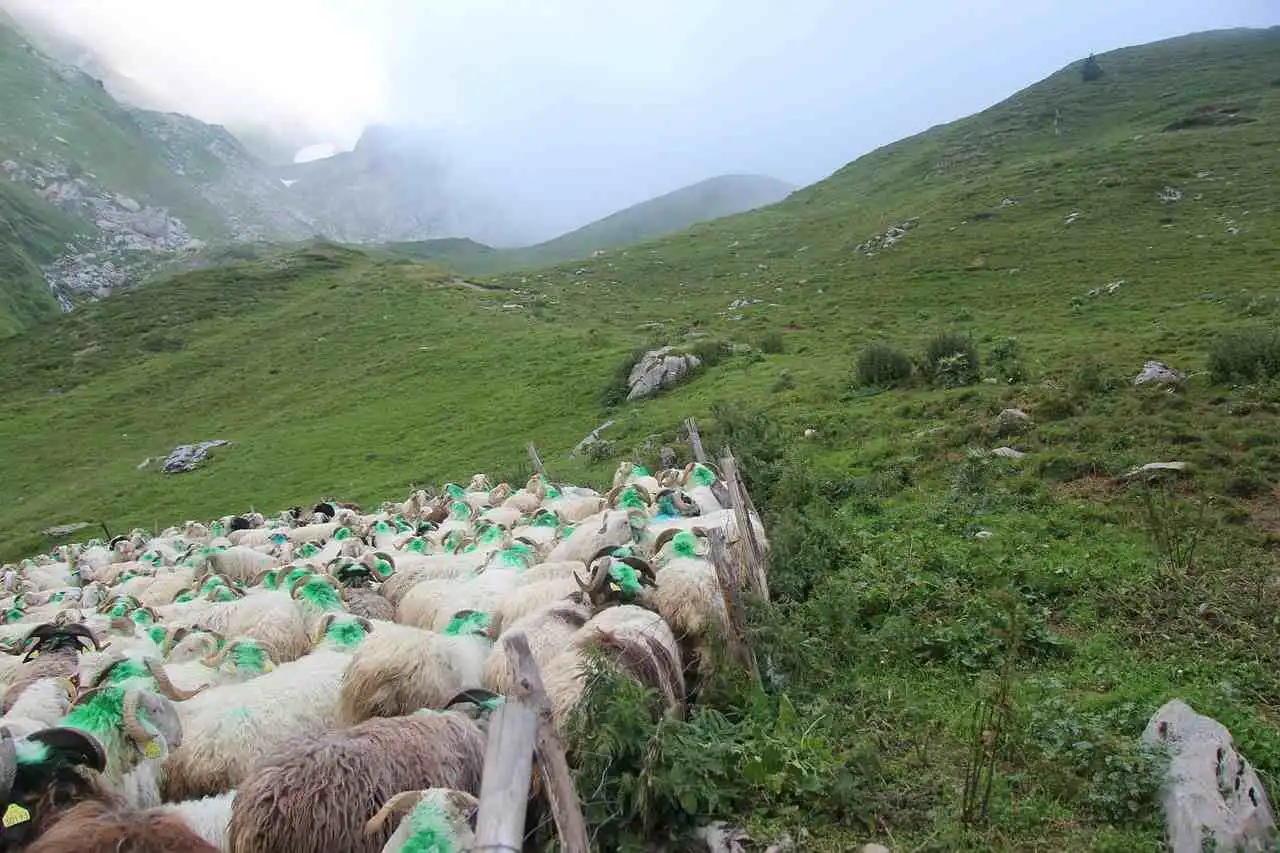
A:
(151, 750)
(15, 814)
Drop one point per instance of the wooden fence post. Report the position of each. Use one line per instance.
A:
(743, 511)
(536, 460)
(695, 440)
(506, 778)
(730, 580)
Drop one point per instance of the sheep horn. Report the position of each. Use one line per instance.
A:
(402, 802)
(132, 725)
(86, 695)
(365, 623)
(262, 576)
(644, 492)
(641, 566)
(664, 537)
(8, 763)
(166, 685)
(325, 624)
(79, 629)
(475, 695)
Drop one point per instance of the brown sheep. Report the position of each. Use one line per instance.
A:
(55, 654)
(316, 792)
(110, 827)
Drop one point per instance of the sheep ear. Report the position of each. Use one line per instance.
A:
(77, 746)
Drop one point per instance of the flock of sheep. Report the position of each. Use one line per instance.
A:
(320, 681)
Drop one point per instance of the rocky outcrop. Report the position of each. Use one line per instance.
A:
(188, 457)
(659, 369)
(1158, 373)
(1211, 792)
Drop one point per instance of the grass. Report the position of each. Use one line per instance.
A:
(906, 561)
(32, 233)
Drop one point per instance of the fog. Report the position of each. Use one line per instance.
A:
(570, 109)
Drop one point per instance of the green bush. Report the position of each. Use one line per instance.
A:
(772, 343)
(615, 393)
(951, 360)
(883, 366)
(711, 352)
(1245, 355)
(1006, 361)
(642, 780)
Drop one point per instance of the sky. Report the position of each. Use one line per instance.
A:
(571, 109)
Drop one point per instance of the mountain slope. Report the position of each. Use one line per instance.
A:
(905, 559)
(713, 198)
(32, 234)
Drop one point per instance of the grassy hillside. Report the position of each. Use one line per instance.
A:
(915, 578)
(706, 200)
(32, 233)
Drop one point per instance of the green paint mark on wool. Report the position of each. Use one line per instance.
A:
(321, 595)
(183, 598)
(217, 529)
(492, 533)
(667, 507)
(348, 634)
(630, 498)
(342, 533)
(518, 556)
(702, 475)
(460, 510)
(269, 579)
(453, 490)
(293, 575)
(308, 550)
(382, 528)
(141, 617)
(545, 519)
(472, 622)
(382, 568)
(402, 526)
(157, 634)
(120, 608)
(622, 551)
(246, 654)
(31, 751)
(223, 593)
(429, 830)
(127, 669)
(627, 578)
(102, 716)
(211, 584)
(416, 545)
(58, 596)
(639, 471)
(684, 544)
(279, 538)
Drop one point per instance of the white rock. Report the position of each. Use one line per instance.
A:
(1152, 467)
(1007, 453)
(1210, 789)
(1159, 373)
(658, 369)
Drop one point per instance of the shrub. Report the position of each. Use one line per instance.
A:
(1090, 70)
(640, 779)
(883, 366)
(771, 343)
(784, 382)
(1245, 355)
(1006, 361)
(615, 392)
(951, 360)
(711, 352)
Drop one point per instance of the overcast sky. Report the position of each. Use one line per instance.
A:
(575, 108)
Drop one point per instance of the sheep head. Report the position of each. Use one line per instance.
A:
(43, 773)
(451, 810)
(148, 718)
(612, 578)
(243, 654)
(51, 637)
(347, 633)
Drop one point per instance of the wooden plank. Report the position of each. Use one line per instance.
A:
(508, 766)
(695, 440)
(731, 589)
(553, 764)
(536, 460)
(753, 551)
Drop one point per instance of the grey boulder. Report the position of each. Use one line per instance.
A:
(1210, 790)
(658, 369)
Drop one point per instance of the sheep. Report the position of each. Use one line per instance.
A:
(316, 794)
(438, 818)
(432, 604)
(43, 774)
(548, 630)
(357, 593)
(269, 616)
(228, 727)
(95, 826)
(636, 639)
(240, 563)
(688, 594)
(208, 817)
(399, 669)
(609, 528)
(55, 654)
(40, 706)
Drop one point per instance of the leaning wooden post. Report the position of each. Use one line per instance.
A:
(504, 788)
(536, 460)
(524, 724)
(695, 440)
(731, 588)
(742, 513)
